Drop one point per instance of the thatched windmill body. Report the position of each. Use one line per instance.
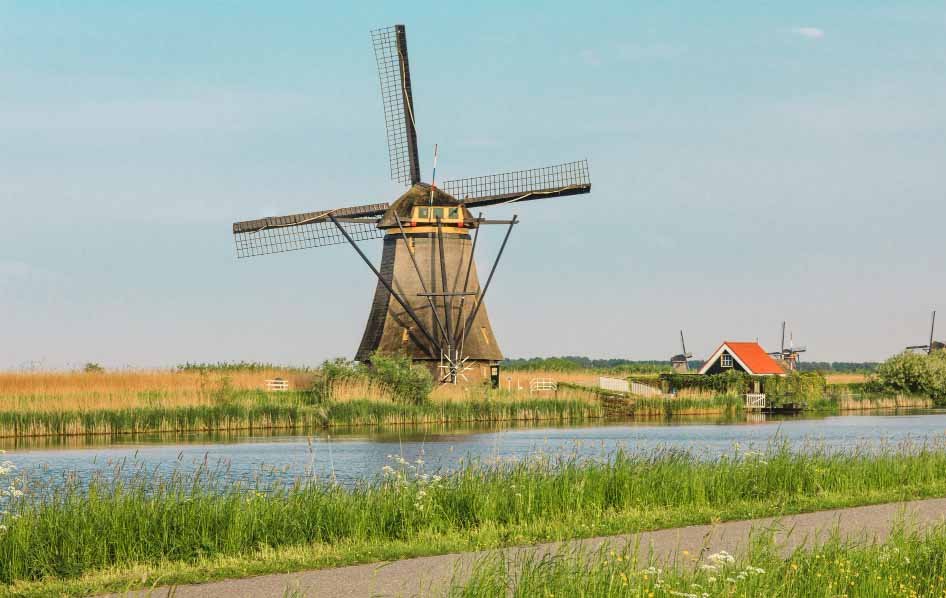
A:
(429, 303)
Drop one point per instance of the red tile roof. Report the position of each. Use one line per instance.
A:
(749, 354)
(754, 357)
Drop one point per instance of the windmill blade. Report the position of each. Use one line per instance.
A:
(303, 231)
(932, 329)
(390, 51)
(562, 180)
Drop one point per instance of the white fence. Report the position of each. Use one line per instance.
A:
(755, 400)
(277, 384)
(619, 385)
(542, 384)
(645, 391)
(614, 384)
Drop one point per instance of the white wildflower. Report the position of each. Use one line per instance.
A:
(721, 557)
(706, 567)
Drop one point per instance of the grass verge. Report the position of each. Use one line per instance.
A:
(113, 538)
(907, 564)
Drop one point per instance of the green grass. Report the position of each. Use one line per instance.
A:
(255, 410)
(140, 533)
(907, 564)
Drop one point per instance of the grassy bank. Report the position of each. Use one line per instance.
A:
(907, 564)
(258, 411)
(137, 534)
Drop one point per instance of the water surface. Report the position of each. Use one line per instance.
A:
(350, 456)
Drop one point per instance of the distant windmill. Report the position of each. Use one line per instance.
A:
(932, 345)
(680, 363)
(788, 356)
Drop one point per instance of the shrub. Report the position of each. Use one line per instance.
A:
(913, 373)
(408, 382)
(807, 387)
(92, 368)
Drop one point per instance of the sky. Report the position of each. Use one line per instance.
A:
(752, 162)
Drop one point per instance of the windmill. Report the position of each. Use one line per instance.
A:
(680, 363)
(788, 356)
(932, 345)
(428, 302)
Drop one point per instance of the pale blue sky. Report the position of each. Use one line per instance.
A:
(752, 162)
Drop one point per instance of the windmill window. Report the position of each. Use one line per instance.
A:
(453, 213)
(725, 361)
(422, 212)
(438, 212)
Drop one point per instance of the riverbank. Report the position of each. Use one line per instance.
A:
(78, 541)
(124, 403)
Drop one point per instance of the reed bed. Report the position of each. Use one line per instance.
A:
(686, 405)
(406, 511)
(69, 391)
(288, 411)
(865, 403)
(909, 563)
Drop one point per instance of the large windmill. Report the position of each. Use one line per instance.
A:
(428, 302)
(788, 356)
(932, 345)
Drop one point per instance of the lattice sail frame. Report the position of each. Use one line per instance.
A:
(390, 50)
(307, 230)
(571, 178)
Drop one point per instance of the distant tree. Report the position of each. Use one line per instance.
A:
(93, 368)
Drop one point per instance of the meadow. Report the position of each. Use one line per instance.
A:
(139, 533)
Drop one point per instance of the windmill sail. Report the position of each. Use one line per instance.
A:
(303, 231)
(394, 73)
(561, 180)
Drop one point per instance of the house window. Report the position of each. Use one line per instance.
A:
(725, 361)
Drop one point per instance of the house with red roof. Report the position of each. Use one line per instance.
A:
(748, 357)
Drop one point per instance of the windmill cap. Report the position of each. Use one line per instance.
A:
(419, 195)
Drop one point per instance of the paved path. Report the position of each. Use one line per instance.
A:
(429, 575)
